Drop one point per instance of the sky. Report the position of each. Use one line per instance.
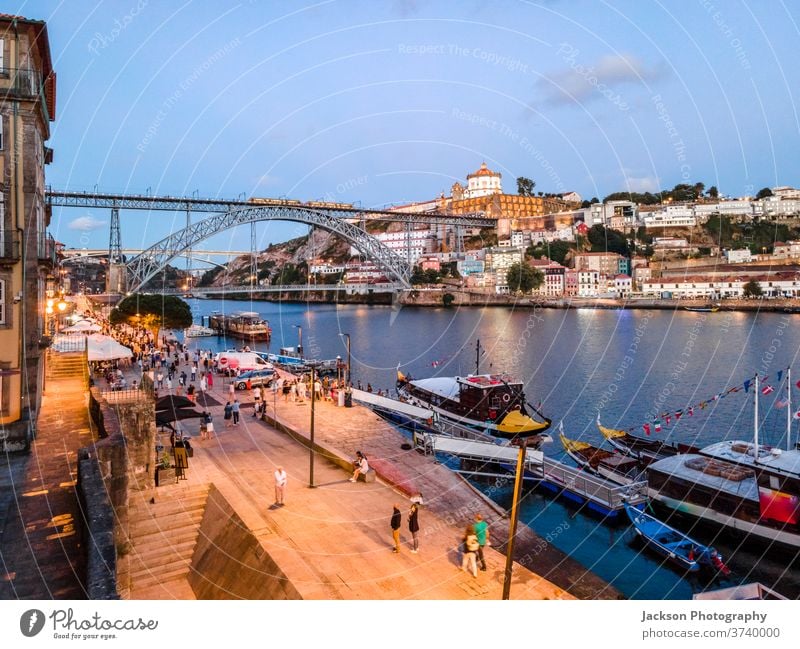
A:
(379, 103)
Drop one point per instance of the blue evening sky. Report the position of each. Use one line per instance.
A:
(384, 102)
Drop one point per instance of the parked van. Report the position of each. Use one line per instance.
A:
(241, 361)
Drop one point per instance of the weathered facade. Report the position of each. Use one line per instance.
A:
(27, 253)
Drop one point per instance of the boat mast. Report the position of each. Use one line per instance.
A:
(478, 356)
(755, 422)
(789, 409)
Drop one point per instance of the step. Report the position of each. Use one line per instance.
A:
(143, 571)
(185, 506)
(145, 544)
(164, 525)
(162, 555)
(145, 580)
(178, 589)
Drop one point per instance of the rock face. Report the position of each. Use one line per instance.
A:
(282, 263)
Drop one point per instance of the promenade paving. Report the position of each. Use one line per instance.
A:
(337, 536)
(41, 556)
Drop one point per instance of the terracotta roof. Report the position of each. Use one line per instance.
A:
(483, 171)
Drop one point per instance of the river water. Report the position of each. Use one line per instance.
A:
(628, 366)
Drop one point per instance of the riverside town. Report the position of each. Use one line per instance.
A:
(387, 302)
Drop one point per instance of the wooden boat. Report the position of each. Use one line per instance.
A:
(752, 591)
(644, 450)
(493, 403)
(616, 467)
(247, 325)
(711, 308)
(672, 544)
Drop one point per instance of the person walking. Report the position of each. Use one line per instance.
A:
(413, 526)
(228, 414)
(210, 379)
(231, 391)
(470, 549)
(194, 373)
(395, 524)
(160, 379)
(482, 534)
(280, 486)
(257, 395)
(235, 411)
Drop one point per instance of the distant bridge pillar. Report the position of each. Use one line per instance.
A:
(117, 278)
(114, 241)
(117, 273)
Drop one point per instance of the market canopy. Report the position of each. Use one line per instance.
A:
(166, 417)
(83, 326)
(105, 348)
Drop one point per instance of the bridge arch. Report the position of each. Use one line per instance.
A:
(150, 262)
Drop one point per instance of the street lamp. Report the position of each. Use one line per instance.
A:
(347, 376)
(299, 340)
(313, 365)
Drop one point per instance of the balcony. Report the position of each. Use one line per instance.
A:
(9, 246)
(23, 83)
(46, 250)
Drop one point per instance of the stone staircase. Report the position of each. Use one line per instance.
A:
(67, 365)
(163, 537)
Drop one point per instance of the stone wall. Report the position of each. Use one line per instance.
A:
(230, 563)
(98, 519)
(125, 459)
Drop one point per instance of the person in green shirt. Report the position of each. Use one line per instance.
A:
(482, 532)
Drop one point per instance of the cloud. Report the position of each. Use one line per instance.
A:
(583, 81)
(642, 184)
(87, 223)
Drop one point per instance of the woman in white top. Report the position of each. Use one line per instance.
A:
(280, 485)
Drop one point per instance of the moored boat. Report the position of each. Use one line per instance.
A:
(711, 308)
(198, 331)
(616, 467)
(644, 450)
(247, 325)
(672, 544)
(492, 403)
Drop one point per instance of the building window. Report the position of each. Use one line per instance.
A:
(2, 132)
(2, 55)
(2, 301)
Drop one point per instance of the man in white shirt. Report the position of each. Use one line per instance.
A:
(280, 485)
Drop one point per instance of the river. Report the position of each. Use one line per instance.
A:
(628, 366)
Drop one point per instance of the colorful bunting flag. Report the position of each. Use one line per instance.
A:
(646, 428)
(797, 415)
(781, 404)
(747, 385)
(780, 375)
(678, 415)
(798, 385)
(658, 423)
(691, 411)
(667, 420)
(767, 389)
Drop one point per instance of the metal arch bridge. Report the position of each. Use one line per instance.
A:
(337, 218)
(149, 263)
(58, 198)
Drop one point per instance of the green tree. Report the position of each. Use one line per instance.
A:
(417, 276)
(594, 200)
(766, 192)
(752, 289)
(525, 186)
(153, 312)
(699, 188)
(432, 276)
(713, 192)
(607, 240)
(521, 277)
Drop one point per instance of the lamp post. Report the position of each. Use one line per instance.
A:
(313, 365)
(299, 340)
(347, 375)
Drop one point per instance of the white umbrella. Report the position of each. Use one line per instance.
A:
(105, 348)
(82, 327)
